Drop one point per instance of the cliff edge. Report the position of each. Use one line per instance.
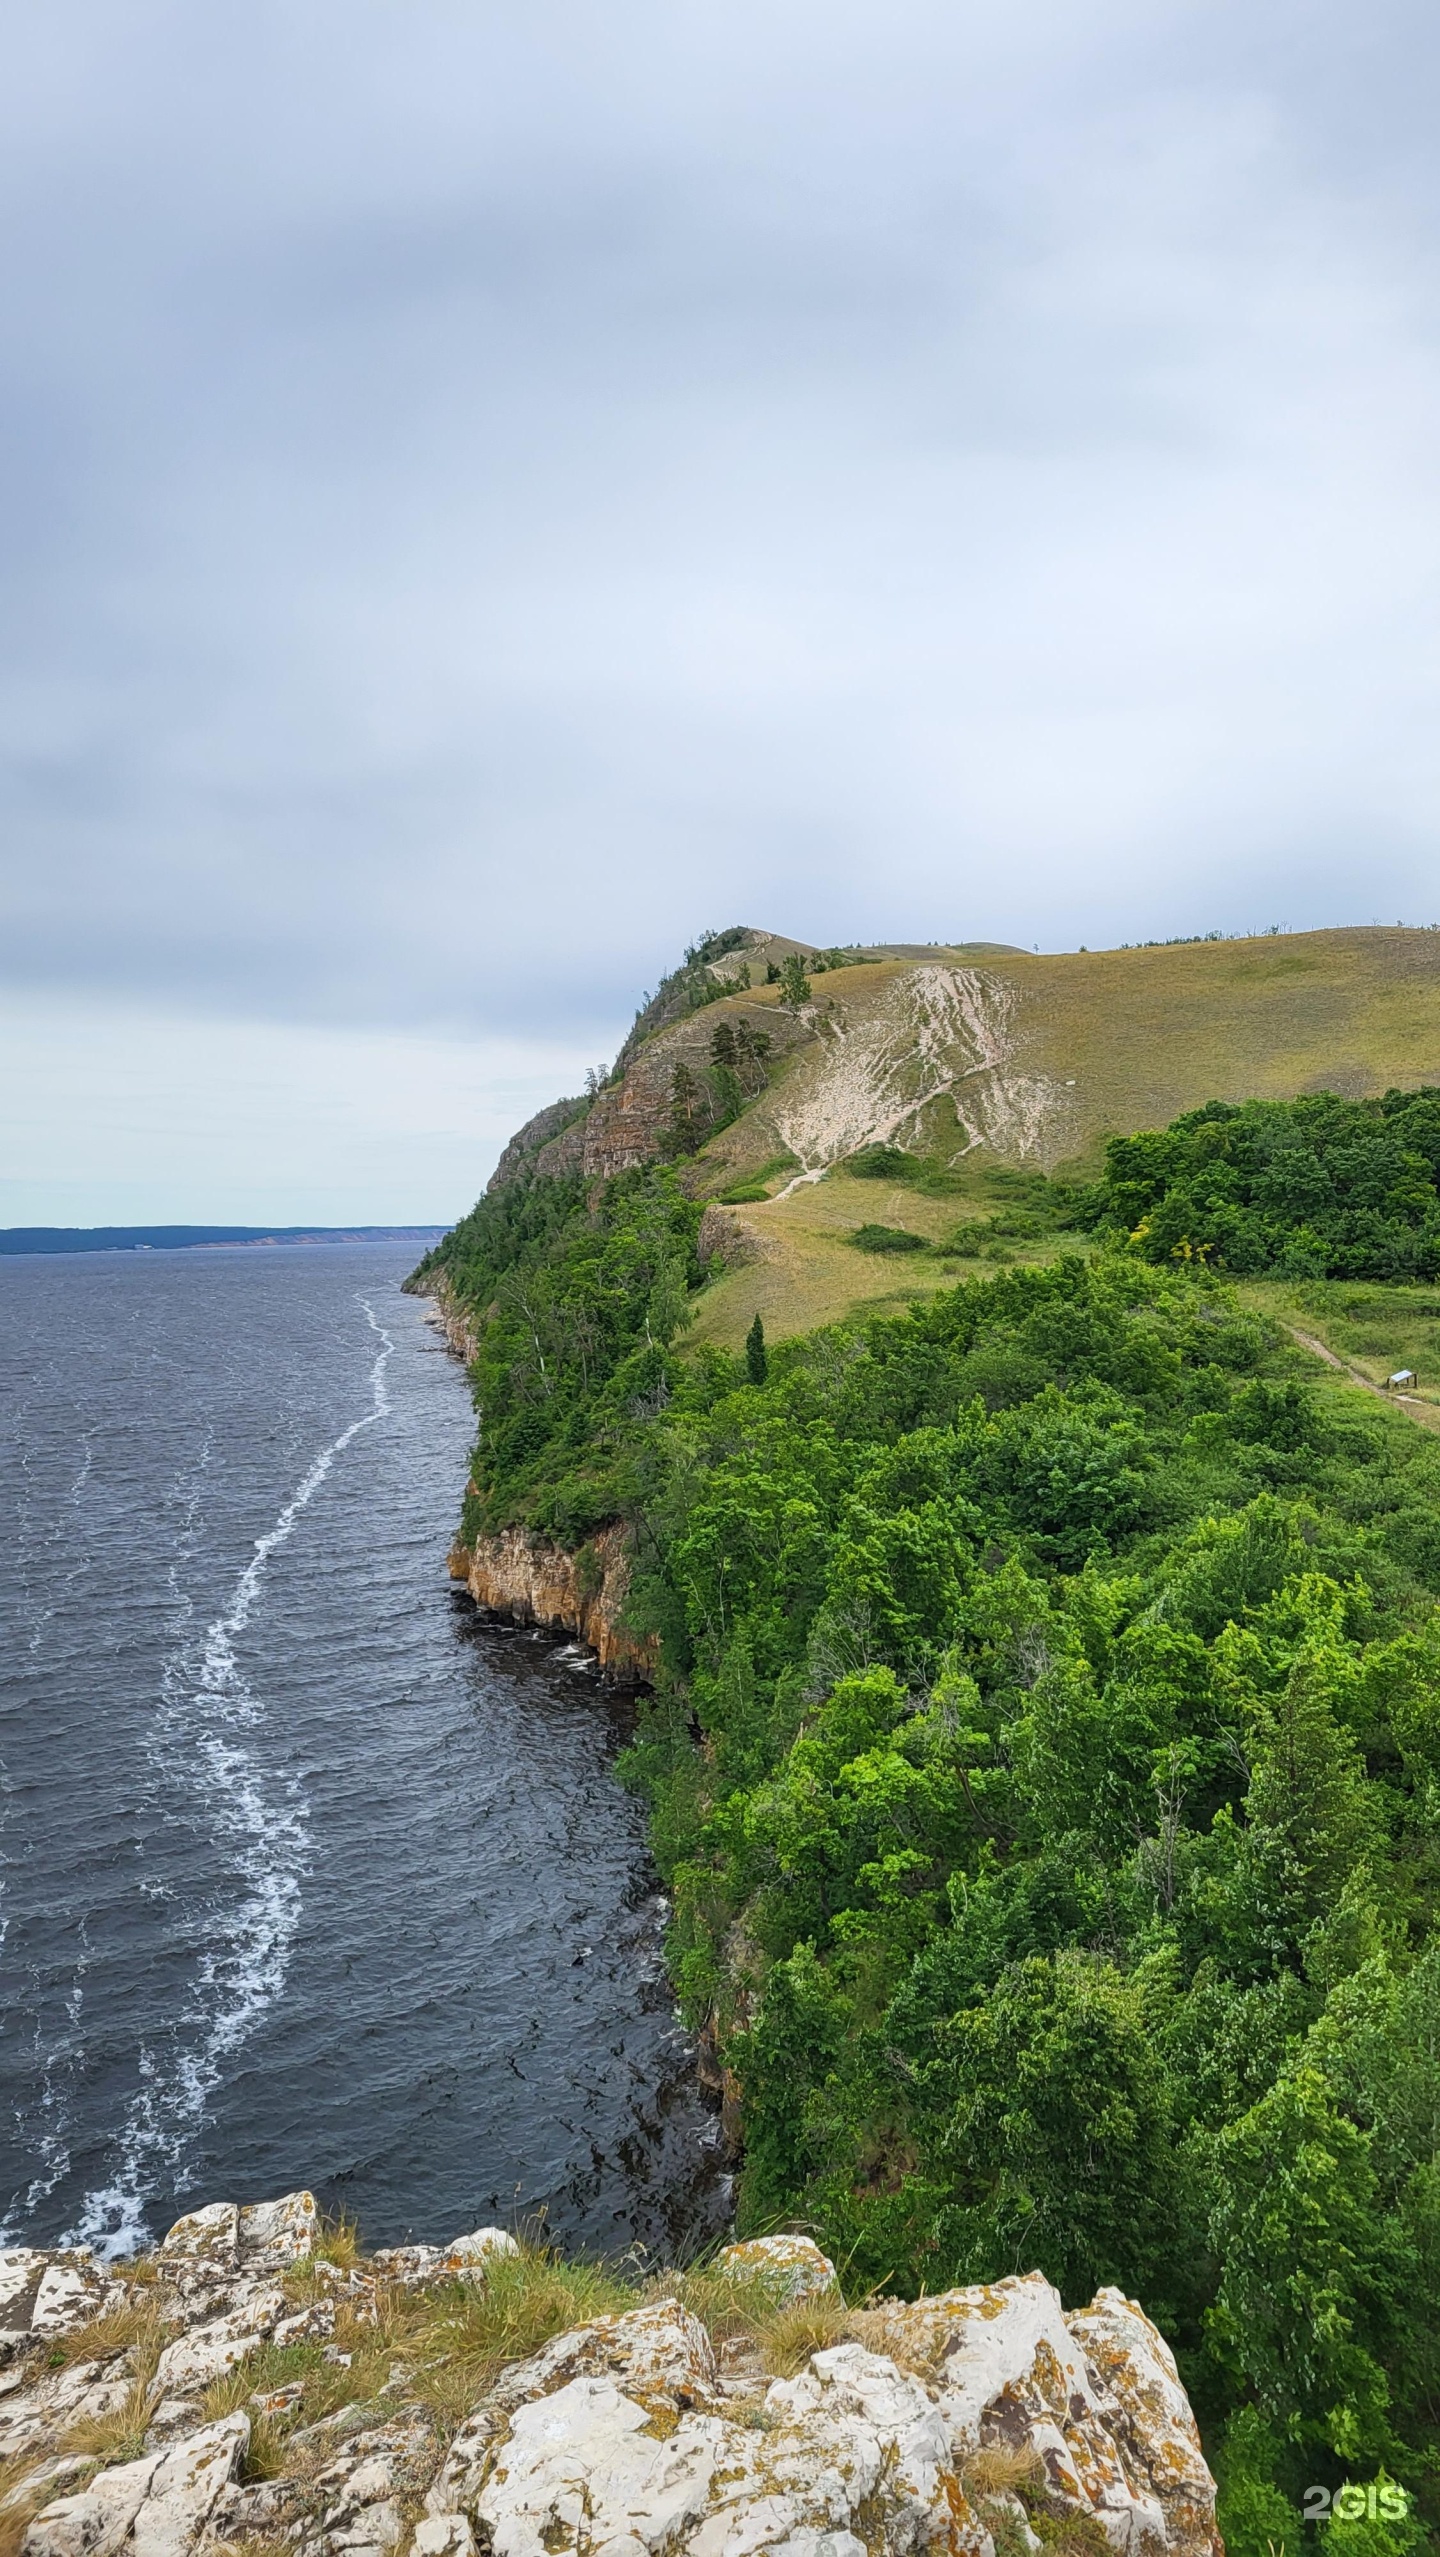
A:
(240, 2388)
(524, 1577)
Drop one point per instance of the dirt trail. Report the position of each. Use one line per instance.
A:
(1416, 1409)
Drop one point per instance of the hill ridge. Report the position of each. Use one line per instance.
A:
(1032, 1057)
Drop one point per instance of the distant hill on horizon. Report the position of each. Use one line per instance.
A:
(20, 1239)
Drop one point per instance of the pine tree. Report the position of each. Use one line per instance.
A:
(751, 1049)
(689, 1112)
(757, 1365)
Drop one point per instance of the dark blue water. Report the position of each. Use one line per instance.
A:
(307, 1876)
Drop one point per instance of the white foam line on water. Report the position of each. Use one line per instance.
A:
(258, 1823)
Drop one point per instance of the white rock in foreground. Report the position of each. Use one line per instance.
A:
(618, 2438)
(625, 2437)
(158, 2507)
(463, 2260)
(662, 2356)
(43, 2294)
(1132, 2367)
(208, 2351)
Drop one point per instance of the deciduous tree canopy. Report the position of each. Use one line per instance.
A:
(1315, 1188)
(1046, 1764)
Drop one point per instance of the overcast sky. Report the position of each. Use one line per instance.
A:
(489, 491)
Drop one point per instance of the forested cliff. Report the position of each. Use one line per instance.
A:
(1043, 1748)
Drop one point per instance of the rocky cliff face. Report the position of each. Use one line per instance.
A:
(236, 2390)
(629, 1122)
(540, 1135)
(533, 1582)
(915, 1048)
(458, 1322)
(529, 1580)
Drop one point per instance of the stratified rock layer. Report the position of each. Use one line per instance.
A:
(524, 1577)
(954, 2424)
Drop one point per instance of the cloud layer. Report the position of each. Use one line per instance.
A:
(488, 491)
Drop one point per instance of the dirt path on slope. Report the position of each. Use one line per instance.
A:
(1427, 1415)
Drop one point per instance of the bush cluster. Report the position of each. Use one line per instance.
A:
(1314, 1188)
(1047, 1770)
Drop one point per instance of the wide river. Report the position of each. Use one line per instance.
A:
(307, 1875)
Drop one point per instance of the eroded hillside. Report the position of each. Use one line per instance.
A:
(761, 1067)
(1033, 1058)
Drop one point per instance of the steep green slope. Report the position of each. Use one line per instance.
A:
(1047, 1768)
(1045, 1742)
(1045, 1759)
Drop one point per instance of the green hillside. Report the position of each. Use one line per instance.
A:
(1044, 1745)
(1068, 1049)
(974, 1058)
(1080, 1047)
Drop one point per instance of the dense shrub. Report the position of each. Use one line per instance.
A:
(886, 1238)
(577, 1306)
(883, 1163)
(1315, 1188)
(1054, 1824)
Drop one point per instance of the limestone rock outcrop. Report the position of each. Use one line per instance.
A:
(532, 1582)
(556, 1133)
(454, 1320)
(159, 2507)
(131, 2399)
(789, 2268)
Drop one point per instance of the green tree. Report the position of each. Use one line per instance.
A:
(757, 1362)
(1312, 1816)
(1314, 1187)
(1059, 2145)
(1306, 2263)
(690, 1116)
(1256, 2518)
(794, 983)
(752, 1047)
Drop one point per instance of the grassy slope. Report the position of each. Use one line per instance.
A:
(1149, 1033)
(808, 1272)
(1134, 1037)
(1372, 1328)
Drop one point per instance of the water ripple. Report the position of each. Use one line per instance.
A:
(311, 1876)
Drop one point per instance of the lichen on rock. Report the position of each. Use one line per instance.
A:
(788, 2267)
(949, 2424)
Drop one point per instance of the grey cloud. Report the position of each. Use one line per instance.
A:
(486, 492)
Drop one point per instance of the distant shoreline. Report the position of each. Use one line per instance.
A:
(17, 1241)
